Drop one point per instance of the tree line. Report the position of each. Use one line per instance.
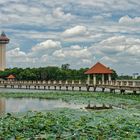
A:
(49, 73)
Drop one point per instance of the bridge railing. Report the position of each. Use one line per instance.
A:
(135, 83)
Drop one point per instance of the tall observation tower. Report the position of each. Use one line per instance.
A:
(3, 41)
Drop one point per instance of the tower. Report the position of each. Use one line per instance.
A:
(3, 41)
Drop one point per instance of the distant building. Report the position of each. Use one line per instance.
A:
(3, 41)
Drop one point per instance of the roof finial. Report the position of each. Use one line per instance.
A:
(3, 34)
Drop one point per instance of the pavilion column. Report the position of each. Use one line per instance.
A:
(109, 77)
(103, 78)
(88, 80)
(94, 79)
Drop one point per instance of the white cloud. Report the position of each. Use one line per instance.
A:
(46, 45)
(18, 58)
(17, 53)
(87, 61)
(45, 58)
(93, 23)
(113, 45)
(113, 40)
(134, 50)
(59, 13)
(75, 31)
(59, 54)
(107, 59)
(71, 53)
(129, 21)
(119, 45)
(117, 51)
(50, 52)
(120, 52)
(75, 47)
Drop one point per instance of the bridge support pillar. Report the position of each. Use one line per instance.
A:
(88, 88)
(59, 87)
(66, 88)
(94, 89)
(122, 91)
(112, 90)
(72, 88)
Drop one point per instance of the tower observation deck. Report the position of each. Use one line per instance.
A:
(3, 41)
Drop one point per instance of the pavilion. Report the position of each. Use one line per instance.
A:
(99, 69)
(11, 77)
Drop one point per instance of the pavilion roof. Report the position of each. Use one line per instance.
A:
(3, 37)
(99, 68)
(11, 77)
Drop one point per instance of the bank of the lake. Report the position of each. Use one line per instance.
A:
(122, 122)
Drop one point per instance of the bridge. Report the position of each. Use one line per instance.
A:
(92, 83)
(111, 86)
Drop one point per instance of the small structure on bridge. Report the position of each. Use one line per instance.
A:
(11, 77)
(98, 69)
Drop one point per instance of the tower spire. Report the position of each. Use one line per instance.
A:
(3, 34)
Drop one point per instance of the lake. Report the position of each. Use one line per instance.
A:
(12, 105)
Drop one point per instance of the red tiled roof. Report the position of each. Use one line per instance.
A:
(11, 77)
(99, 68)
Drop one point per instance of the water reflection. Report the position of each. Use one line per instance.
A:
(2, 106)
(30, 104)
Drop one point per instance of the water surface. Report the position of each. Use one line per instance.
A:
(8, 105)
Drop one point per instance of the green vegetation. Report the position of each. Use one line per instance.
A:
(48, 73)
(45, 73)
(78, 124)
(80, 97)
(71, 125)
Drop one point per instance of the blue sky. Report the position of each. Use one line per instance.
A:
(81, 33)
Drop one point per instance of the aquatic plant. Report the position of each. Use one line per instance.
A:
(74, 124)
(71, 124)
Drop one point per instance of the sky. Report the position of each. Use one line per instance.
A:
(78, 32)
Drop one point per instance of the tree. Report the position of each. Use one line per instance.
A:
(65, 66)
(50, 73)
(114, 75)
